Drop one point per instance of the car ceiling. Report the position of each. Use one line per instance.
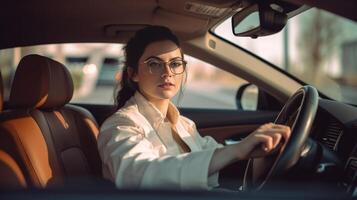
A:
(36, 22)
(346, 8)
(33, 22)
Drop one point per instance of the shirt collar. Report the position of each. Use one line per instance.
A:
(152, 114)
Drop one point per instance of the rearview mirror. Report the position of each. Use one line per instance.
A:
(259, 20)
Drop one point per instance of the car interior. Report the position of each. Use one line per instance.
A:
(54, 140)
(48, 144)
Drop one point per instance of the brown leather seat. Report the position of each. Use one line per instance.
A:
(44, 141)
(1, 93)
(9, 169)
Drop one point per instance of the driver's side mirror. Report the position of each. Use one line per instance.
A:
(259, 20)
(251, 97)
(247, 97)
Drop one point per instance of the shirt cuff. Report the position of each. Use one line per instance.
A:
(213, 180)
(196, 170)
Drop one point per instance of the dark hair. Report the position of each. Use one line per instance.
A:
(133, 50)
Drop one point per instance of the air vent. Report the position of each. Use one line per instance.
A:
(349, 176)
(332, 134)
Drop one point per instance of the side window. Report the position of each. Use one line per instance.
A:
(210, 87)
(7, 70)
(97, 68)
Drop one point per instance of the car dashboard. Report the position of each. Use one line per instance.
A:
(335, 128)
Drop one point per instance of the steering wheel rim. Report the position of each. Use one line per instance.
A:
(298, 113)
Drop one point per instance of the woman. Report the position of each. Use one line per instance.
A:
(147, 143)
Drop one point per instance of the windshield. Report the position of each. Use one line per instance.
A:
(317, 47)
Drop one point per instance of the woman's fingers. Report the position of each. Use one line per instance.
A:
(271, 135)
(270, 142)
(266, 141)
(276, 138)
(285, 130)
(285, 133)
(271, 128)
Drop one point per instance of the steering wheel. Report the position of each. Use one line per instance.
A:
(298, 113)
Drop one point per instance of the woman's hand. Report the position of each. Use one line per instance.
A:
(262, 141)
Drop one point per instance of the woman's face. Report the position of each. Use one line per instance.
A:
(156, 84)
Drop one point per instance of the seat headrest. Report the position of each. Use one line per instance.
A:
(42, 83)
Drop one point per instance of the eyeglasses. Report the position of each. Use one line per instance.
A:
(176, 66)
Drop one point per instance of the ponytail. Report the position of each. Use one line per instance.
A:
(128, 89)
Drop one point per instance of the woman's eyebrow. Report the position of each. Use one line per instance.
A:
(176, 58)
(155, 57)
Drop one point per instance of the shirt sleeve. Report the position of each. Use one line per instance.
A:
(206, 142)
(133, 162)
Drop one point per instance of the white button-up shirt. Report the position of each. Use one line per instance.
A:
(138, 150)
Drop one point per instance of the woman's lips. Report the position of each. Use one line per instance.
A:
(167, 85)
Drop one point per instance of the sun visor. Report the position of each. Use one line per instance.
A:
(178, 22)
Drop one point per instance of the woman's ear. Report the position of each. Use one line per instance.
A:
(132, 75)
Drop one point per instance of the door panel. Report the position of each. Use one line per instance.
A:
(227, 124)
(213, 117)
(226, 134)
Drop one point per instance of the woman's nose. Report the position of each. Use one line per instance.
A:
(166, 71)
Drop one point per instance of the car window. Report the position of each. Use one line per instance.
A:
(96, 70)
(110, 67)
(315, 46)
(208, 87)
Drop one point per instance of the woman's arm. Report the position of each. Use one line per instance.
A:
(259, 143)
(133, 161)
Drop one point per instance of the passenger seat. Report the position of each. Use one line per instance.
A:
(49, 142)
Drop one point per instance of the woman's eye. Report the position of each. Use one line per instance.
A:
(154, 64)
(176, 64)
